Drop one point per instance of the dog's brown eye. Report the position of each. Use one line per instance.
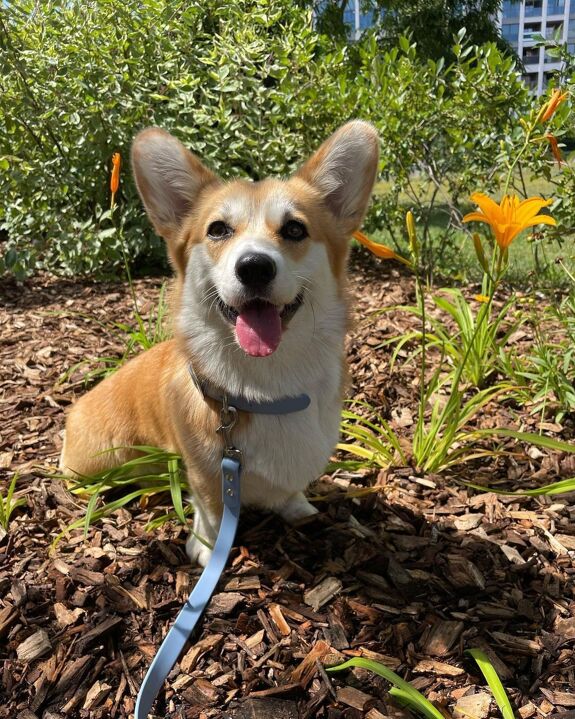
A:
(293, 230)
(218, 230)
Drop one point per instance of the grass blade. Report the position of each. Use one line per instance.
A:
(176, 489)
(404, 691)
(494, 682)
(562, 487)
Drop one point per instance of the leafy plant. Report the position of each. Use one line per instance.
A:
(548, 370)
(152, 473)
(480, 341)
(8, 504)
(401, 691)
(408, 696)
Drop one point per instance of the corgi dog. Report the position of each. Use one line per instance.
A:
(260, 312)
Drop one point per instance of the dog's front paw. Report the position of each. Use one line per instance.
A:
(297, 507)
(197, 551)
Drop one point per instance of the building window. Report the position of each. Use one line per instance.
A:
(533, 8)
(555, 7)
(531, 29)
(510, 32)
(554, 29)
(511, 9)
(531, 55)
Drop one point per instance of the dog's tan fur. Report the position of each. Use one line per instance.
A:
(152, 400)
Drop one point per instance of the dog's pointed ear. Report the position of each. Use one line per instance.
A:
(169, 179)
(343, 171)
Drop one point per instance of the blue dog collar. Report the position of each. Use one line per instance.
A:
(283, 405)
(175, 640)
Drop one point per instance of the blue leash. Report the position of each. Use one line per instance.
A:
(189, 615)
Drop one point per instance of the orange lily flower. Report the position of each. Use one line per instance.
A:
(510, 217)
(382, 251)
(115, 178)
(554, 147)
(557, 97)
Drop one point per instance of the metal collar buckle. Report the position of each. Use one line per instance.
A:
(228, 420)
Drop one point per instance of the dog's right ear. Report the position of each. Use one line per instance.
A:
(169, 179)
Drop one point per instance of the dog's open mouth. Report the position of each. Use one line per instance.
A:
(259, 324)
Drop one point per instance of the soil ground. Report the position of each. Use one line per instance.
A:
(411, 574)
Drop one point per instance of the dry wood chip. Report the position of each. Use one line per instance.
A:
(87, 577)
(224, 603)
(66, 617)
(278, 619)
(243, 584)
(567, 540)
(266, 708)
(202, 693)
(527, 710)
(306, 670)
(473, 705)
(440, 668)
(519, 644)
(468, 521)
(27, 714)
(565, 628)
(441, 637)
(35, 646)
(323, 592)
(255, 639)
(94, 634)
(563, 699)
(281, 689)
(183, 583)
(333, 658)
(6, 459)
(7, 617)
(62, 567)
(73, 674)
(374, 579)
(352, 697)
(464, 574)
(96, 694)
(512, 554)
(375, 714)
(207, 644)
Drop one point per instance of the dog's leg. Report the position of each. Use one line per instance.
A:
(296, 507)
(207, 518)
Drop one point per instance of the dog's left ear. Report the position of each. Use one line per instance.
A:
(343, 170)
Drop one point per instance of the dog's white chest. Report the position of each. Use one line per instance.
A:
(283, 454)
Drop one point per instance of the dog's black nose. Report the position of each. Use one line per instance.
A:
(255, 269)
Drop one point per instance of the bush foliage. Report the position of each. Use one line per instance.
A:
(251, 98)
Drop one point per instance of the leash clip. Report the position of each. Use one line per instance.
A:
(228, 420)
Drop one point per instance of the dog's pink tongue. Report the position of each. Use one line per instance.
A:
(259, 329)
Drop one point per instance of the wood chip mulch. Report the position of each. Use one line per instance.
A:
(410, 575)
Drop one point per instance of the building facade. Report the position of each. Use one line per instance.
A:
(521, 21)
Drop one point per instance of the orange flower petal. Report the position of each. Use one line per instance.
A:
(529, 208)
(476, 217)
(115, 178)
(486, 205)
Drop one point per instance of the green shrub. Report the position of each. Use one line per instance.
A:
(251, 87)
(80, 79)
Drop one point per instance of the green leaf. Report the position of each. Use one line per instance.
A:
(406, 693)
(494, 682)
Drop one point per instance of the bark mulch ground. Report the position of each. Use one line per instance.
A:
(411, 574)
